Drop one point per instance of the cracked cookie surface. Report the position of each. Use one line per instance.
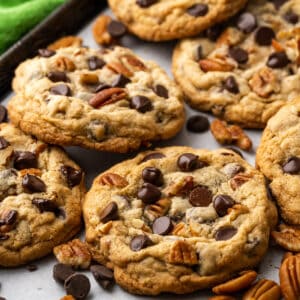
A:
(41, 191)
(178, 219)
(278, 158)
(108, 100)
(245, 70)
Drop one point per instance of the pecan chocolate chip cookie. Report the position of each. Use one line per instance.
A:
(40, 197)
(178, 219)
(108, 100)
(245, 70)
(160, 20)
(278, 157)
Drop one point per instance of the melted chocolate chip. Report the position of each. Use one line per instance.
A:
(292, 166)
(162, 225)
(188, 162)
(222, 203)
(46, 52)
(3, 114)
(72, 175)
(109, 213)
(225, 233)
(153, 175)
(264, 36)
(239, 55)
(161, 91)
(278, 60)
(95, 63)
(141, 104)
(61, 272)
(11, 217)
(104, 276)
(140, 242)
(231, 85)
(25, 160)
(61, 89)
(149, 193)
(120, 81)
(197, 124)
(33, 184)
(3, 143)
(116, 29)
(77, 285)
(57, 76)
(246, 22)
(153, 155)
(145, 3)
(45, 205)
(291, 17)
(200, 196)
(198, 10)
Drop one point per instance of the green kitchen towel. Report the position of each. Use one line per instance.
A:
(17, 17)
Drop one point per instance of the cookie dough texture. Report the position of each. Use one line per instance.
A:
(189, 257)
(169, 19)
(259, 90)
(29, 231)
(279, 143)
(112, 126)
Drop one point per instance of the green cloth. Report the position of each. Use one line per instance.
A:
(17, 17)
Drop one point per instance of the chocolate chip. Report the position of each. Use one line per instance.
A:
(246, 22)
(46, 52)
(33, 184)
(3, 237)
(225, 233)
(200, 196)
(61, 272)
(116, 29)
(222, 203)
(95, 63)
(60, 89)
(77, 285)
(104, 276)
(25, 160)
(149, 193)
(3, 114)
(153, 155)
(140, 242)
(278, 60)
(120, 81)
(162, 225)
(145, 3)
(189, 162)
(11, 217)
(199, 53)
(292, 166)
(278, 3)
(57, 76)
(3, 143)
(231, 85)
(198, 10)
(31, 268)
(44, 205)
(72, 175)
(264, 36)
(238, 54)
(109, 213)
(101, 87)
(291, 17)
(214, 32)
(197, 124)
(141, 104)
(153, 175)
(161, 91)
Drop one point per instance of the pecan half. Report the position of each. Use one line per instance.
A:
(213, 65)
(66, 41)
(134, 62)
(236, 284)
(64, 64)
(74, 253)
(119, 68)
(158, 209)
(264, 289)
(107, 96)
(89, 78)
(113, 179)
(288, 237)
(230, 134)
(100, 33)
(183, 253)
(289, 275)
(239, 180)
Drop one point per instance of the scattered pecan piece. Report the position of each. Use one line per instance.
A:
(158, 209)
(277, 46)
(264, 289)
(113, 179)
(89, 78)
(213, 65)
(183, 253)
(239, 180)
(119, 68)
(31, 171)
(100, 33)
(64, 64)
(182, 187)
(134, 62)
(288, 237)
(179, 229)
(230, 134)
(105, 228)
(66, 41)
(107, 96)
(236, 284)
(74, 253)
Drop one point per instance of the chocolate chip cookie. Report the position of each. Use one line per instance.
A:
(178, 219)
(245, 70)
(109, 100)
(278, 157)
(161, 20)
(40, 197)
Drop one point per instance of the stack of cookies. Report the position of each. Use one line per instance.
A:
(172, 219)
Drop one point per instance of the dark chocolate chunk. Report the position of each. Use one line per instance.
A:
(200, 196)
(188, 162)
(120, 81)
(3, 143)
(61, 89)
(198, 10)
(225, 233)
(95, 63)
(33, 184)
(3, 114)
(109, 213)
(25, 160)
(145, 3)
(264, 36)
(198, 123)
(104, 276)
(153, 175)
(222, 203)
(153, 155)
(61, 272)
(292, 166)
(72, 175)
(278, 60)
(140, 242)
(45, 205)
(162, 225)
(141, 104)
(149, 193)
(77, 285)
(116, 29)
(231, 85)
(239, 55)
(46, 52)
(31, 268)
(246, 22)
(291, 17)
(57, 76)
(161, 91)
(11, 217)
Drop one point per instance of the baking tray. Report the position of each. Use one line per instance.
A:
(66, 19)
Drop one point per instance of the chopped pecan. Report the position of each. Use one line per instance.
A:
(239, 180)
(183, 253)
(64, 64)
(288, 237)
(113, 179)
(66, 41)
(213, 65)
(31, 171)
(277, 46)
(230, 134)
(158, 209)
(179, 229)
(182, 187)
(134, 62)
(264, 289)
(100, 33)
(107, 96)
(236, 284)
(119, 68)
(89, 78)
(74, 253)
(105, 228)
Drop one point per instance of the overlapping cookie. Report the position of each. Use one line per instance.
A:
(178, 219)
(108, 100)
(161, 20)
(278, 157)
(244, 70)
(41, 191)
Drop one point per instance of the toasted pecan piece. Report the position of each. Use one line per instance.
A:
(183, 253)
(288, 237)
(239, 180)
(158, 209)
(264, 289)
(113, 179)
(66, 41)
(100, 33)
(209, 64)
(119, 68)
(107, 96)
(64, 64)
